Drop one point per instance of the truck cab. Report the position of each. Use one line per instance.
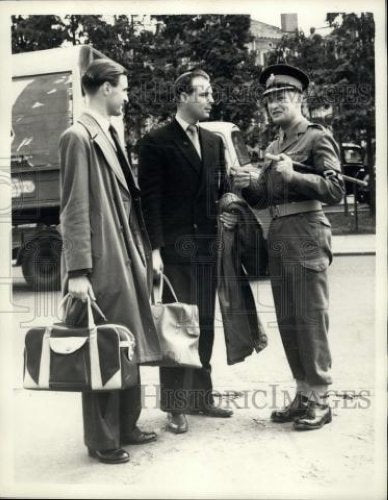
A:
(47, 98)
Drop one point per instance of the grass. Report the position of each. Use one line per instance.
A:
(345, 224)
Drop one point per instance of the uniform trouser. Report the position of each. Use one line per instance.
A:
(185, 389)
(299, 254)
(109, 416)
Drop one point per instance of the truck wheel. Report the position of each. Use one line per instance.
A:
(41, 262)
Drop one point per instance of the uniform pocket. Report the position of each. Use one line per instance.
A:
(319, 229)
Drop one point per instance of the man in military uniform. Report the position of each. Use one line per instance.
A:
(298, 239)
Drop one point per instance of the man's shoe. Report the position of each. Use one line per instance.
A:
(214, 411)
(317, 416)
(177, 423)
(297, 408)
(114, 456)
(136, 436)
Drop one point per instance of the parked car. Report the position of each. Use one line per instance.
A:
(352, 163)
(237, 155)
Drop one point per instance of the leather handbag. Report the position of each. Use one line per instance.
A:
(69, 357)
(177, 325)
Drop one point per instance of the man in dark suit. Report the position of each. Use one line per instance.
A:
(181, 177)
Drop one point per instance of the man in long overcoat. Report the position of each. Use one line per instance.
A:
(181, 176)
(106, 252)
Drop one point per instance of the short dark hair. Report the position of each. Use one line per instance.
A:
(184, 82)
(99, 72)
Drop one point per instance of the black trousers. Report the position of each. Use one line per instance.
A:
(108, 417)
(185, 389)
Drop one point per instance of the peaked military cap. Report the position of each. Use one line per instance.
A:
(283, 77)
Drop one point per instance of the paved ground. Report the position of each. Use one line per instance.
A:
(246, 456)
(354, 244)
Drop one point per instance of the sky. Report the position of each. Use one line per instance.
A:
(307, 18)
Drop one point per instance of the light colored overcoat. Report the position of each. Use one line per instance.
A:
(103, 230)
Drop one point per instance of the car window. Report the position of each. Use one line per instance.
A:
(352, 156)
(240, 147)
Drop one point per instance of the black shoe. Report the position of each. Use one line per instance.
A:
(297, 408)
(177, 423)
(136, 436)
(114, 456)
(214, 411)
(317, 416)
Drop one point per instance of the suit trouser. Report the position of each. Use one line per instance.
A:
(299, 254)
(109, 416)
(184, 389)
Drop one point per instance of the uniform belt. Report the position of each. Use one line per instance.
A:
(294, 208)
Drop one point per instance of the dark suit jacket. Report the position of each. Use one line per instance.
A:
(180, 191)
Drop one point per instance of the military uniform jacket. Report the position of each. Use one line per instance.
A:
(307, 143)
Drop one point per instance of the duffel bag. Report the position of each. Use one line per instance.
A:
(80, 358)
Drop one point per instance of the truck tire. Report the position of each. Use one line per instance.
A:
(41, 261)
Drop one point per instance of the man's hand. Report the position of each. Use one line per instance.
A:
(81, 288)
(243, 176)
(283, 165)
(228, 220)
(157, 262)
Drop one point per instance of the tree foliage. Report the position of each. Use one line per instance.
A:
(341, 68)
(36, 33)
(218, 45)
(155, 55)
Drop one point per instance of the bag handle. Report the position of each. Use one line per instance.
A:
(65, 304)
(158, 289)
(95, 368)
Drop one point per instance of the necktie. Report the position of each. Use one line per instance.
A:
(133, 221)
(192, 131)
(120, 155)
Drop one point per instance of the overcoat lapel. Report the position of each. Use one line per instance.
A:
(186, 147)
(99, 137)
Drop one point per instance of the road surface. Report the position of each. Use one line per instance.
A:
(246, 456)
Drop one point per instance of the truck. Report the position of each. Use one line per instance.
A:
(47, 98)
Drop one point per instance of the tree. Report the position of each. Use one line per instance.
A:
(155, 57)
(341, 67)
(36, 33)
(217, 44)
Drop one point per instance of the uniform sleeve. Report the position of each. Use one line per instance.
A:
(151, 186)
(327, 189)
(74, 155)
